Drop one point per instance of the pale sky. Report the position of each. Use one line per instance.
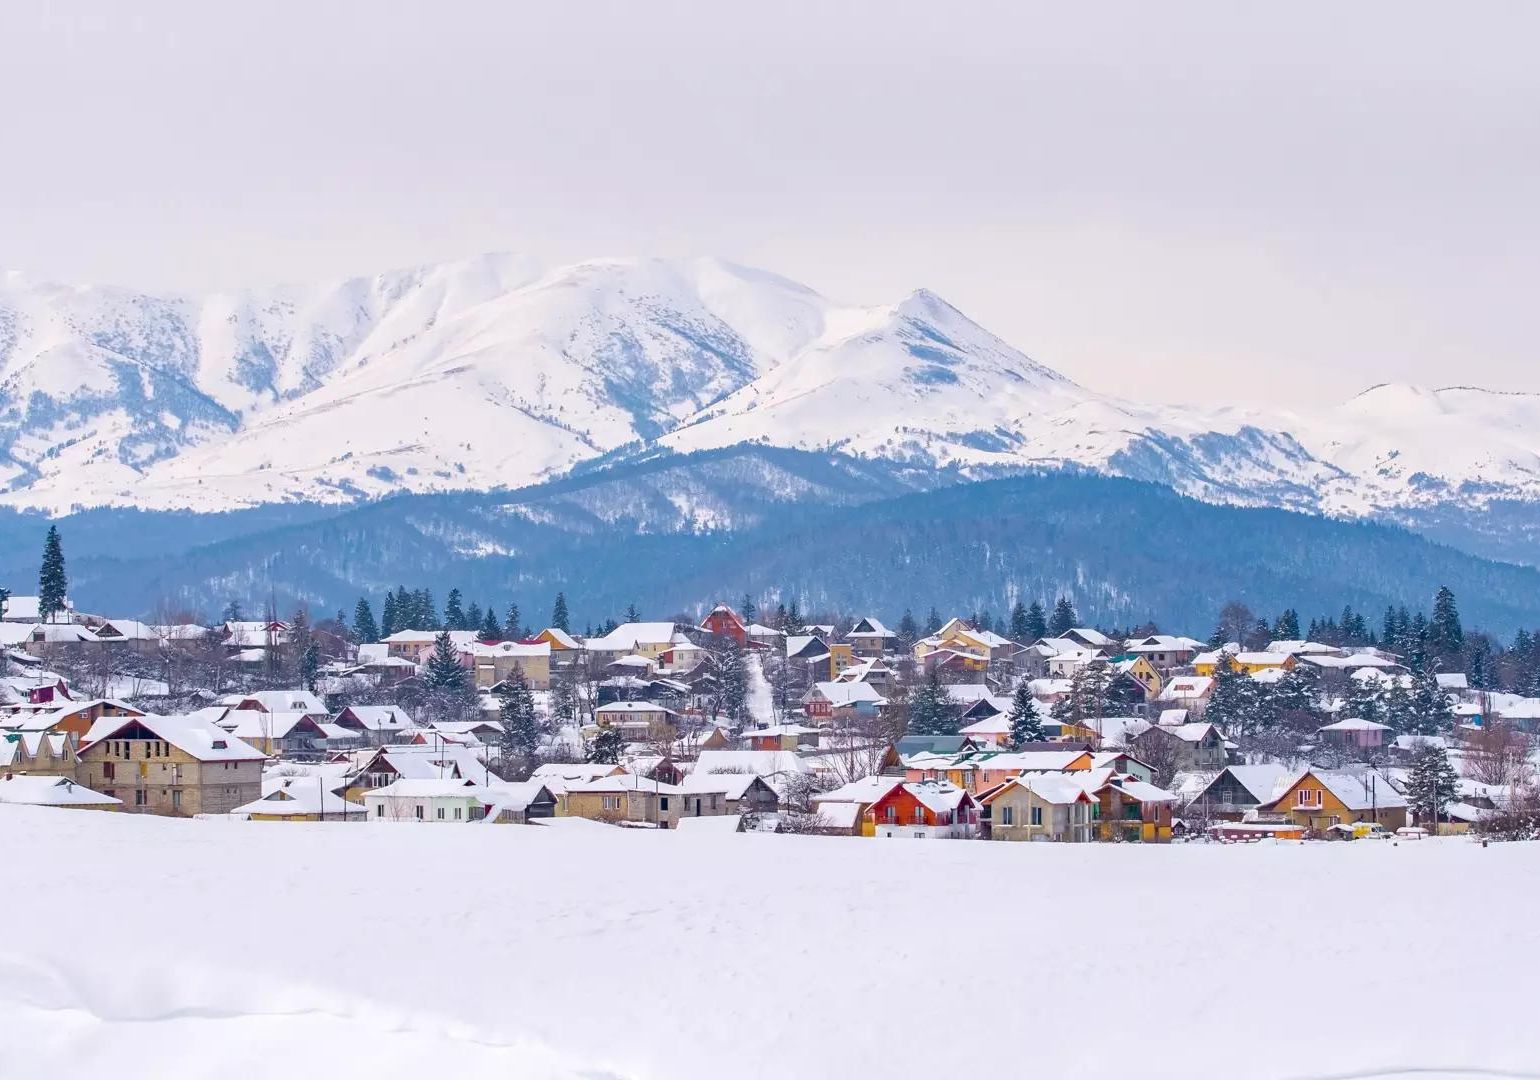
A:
(1172, 201)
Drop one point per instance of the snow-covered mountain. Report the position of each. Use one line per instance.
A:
(494, 373)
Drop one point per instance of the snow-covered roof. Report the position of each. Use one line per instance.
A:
(29, 790)
(633, 708)
(759, 762)
(840, 694)
(625, 782)
(508, 648)
(296, 796)
(732, 785)
(1355, 790)
(628, 637)
(191, 734)
(1453, 680)
(1186, 688)
(379, 717)
(836, 814)
(426, 788)
(1263, 782)
(561, 638)
(1050, 788)
(867, 790)
(1354, 723)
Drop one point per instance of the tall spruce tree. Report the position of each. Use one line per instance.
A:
(52, 582)
(1400, 712)
(932, 621)
(310, 665)
(364, 629)
(520, 739)
(750, 612)
(1431, 713)
(1432, 785)
(1445, 635)
(490, 629)
(931, 708)
(389, 619)
(454, 611)
(443, 672)
(559, 615)
(1037, 622)
(1287, 626)
(1232, 702)
(908, 629)
(1026, 725)
(1064, 618)
(513, 624)
(1019, 627)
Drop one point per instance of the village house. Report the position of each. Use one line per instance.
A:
(1037, 807)
(171, 765)
(639, 720)
(432, 801)
(1321, 798)
(1237, 790)
(44, 753)
(629, 799)
(376, 725)
(869, 638)
(1164, 651)
(724, 622)
(1356, 735)
(129, 634)
(835, 700)
(925, 811)
(1192, 746)
(493, 664)
(737, 793)
(649, 639)
(301, 798)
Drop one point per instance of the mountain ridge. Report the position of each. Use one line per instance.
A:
(493, 373)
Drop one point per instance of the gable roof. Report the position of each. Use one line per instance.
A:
(50, 791)
(191, 734)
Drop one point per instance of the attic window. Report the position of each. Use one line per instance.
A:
(220, 744)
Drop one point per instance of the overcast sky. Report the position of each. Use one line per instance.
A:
(1168, 201)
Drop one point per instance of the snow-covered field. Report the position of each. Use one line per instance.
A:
(141, 947)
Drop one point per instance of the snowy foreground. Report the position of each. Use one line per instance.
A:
(144, 947)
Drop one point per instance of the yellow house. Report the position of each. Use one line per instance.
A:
(1141, 671)
(1249, 663)
(1321, 798)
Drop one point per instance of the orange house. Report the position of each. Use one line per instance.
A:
(1321, 798)
(924, 811)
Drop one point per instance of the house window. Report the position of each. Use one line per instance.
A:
(919, 836)
(890, 813)
(1037, 815)
(140, 796)
(176, 798)
(663, 803)
(1309, 797)
(441, 813)
(418, 811)
(919, 815)
(379, 809)
(109, 771)
(1007, 815)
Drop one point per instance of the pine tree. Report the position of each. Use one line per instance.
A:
(443, 671)
(1433, 784)
(931, 709)
(1019, 626)
(364, 628)
(559, 616)
(606, 747)
(490, 630)
(427, 613)
(1400, 712)
(1037, 623)
(908, 629)
(388, 616)
(520, 739)
(1445, 635)
(513, 625)
(310, 665)
(52, 582)
(794, 623)
(632, 615)
(1431, 714)
(232, 612)
(932, 622)
(1365, 701)
(1026, 725)
(564, 697)
(1064, 618)
(1287, 626)
(749, 611)
(454, 613)
(732, 679)
(1231, 704)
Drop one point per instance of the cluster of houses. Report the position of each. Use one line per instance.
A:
(830, 761)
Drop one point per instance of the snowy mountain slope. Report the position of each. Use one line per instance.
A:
(490, 373)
